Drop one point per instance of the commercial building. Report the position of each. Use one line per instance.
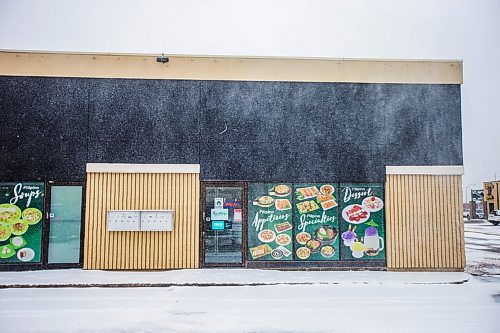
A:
(126, 162)
(491, 196)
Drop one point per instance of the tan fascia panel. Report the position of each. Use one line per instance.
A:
(436, 170)
(184, 67)
(141, 168)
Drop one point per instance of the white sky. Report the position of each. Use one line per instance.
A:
(423, 29)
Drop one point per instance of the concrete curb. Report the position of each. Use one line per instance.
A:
(208, 284)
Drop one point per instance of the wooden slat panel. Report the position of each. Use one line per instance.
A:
(451, 227)
(142, 250)
(436, 218)
(389, 232)
(412, 232)
(405, 225)
(398, 233)
(442, 229)
(417, 213)
(423, 223)
(88, 221)
(196, 232)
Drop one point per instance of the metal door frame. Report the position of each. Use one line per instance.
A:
(46, 229)
(244, 202)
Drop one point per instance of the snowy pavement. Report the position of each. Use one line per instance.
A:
(218, 277)
(468, 307)
(262, 301)
(482, 248)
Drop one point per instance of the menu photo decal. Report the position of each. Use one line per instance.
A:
(316, 222)
(362, 225)
(270, 221)
(21, 213)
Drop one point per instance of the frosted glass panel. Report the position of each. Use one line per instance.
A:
(65, 224)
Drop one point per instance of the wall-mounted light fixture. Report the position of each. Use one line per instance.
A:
(162, 59)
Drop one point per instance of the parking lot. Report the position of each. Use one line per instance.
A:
(482, 247)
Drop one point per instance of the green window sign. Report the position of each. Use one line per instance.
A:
(217, 225)
(316, 222)
(362, 221)
(270, 221)
(21, 216)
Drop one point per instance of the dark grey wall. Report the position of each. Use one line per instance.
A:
(255, 131)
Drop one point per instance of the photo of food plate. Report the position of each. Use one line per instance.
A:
(281, 227)
(303, 237)
(326, 234)
(327, 189)
(277, 254)
(282, 204)
(266, 236)
(327, 251)
(260, 251)
(26, 254)
(286, 252)
(372, 204)
(283, 239)
(5, 232)
(19, 227)
(7, 251)
(355, 214)
(32, 215)
(281, 190)
(313, 245)
(18, 242)
(307, 206)
(9, 213)
(264, 201)
(324, 197)
(303, 253)
(329, 204)
(307, 192)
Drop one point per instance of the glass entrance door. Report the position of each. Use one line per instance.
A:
(65, 225)
(222, 224)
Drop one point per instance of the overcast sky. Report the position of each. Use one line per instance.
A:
(423, 29)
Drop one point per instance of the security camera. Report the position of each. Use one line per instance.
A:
(162, 59)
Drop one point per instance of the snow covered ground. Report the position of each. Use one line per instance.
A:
(392, 307)
(219, 277)
(482, 248)
(263, 301)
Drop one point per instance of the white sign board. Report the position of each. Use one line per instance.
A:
(140, 220)
(219, 203)
(123, 220)
(157, 220)
(219, 214)
(238, 216)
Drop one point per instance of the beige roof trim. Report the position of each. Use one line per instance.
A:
(425, 170)
(145, 66)
(142, 168)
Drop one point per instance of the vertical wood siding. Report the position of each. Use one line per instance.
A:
(424, 222)
(142, 250)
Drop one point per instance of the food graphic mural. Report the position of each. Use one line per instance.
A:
(362, 221)
(270, 221)
(316, 222)
(21, 214)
